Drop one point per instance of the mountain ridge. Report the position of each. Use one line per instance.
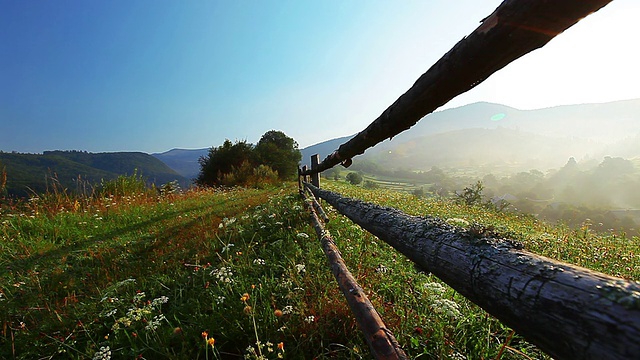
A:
(32, 173)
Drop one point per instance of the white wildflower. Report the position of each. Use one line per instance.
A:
(103, 354)
(382, 269)
(457, 222)
(447, 307)
(303, 235)
(435, 288)
(155, 322)
(159, 301)
(259, 261)
(309, 319)
(300, 268)
(287, 310)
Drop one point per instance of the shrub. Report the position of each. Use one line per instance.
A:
(123, 185)
(354, 178)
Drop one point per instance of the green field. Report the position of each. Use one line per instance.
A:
(145, 276)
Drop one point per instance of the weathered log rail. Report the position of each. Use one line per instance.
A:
(381, 340)
(567, 311)
(515, 28)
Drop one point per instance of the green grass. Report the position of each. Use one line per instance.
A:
(145, 276)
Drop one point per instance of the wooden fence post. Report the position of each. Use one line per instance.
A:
(305, 178)
(315, 178)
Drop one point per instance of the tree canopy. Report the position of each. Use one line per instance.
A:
(236, 163)
(280, 152)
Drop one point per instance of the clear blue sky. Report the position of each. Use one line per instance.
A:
(154, 75)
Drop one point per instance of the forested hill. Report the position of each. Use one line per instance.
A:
(28, 173)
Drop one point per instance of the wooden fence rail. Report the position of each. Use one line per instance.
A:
(381, 341)
(567, 311)
(515, 28)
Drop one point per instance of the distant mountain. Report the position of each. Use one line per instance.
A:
(323, 149)
(593, 130)
(502, 150)
(28, 173)
(183, 161)
(542, 138)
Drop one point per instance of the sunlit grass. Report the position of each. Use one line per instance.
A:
(239, 274)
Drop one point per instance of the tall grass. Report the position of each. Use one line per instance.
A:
(236, 273)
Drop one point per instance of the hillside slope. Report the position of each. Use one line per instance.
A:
(29, 173)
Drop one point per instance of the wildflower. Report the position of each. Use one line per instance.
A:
(277, 313)
(219, 300)
(435, 287)
(382, 269)
(155, 322)
(259, 261)
(244, 297)
(205, 334)
(303, 235)
(309, 319)
(247, 310)
(227, 247)
(447, 307)
(211, 342)
(300, 268)
(287, 310)
(281, 346)
(103, 354)
(160, 300)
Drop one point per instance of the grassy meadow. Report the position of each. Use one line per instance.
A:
(239, 274)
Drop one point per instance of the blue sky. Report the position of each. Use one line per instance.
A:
(154, 75)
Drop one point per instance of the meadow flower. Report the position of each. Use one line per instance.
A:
(160, 300)
(434, 287)
(287, 310)
(309, 319)
(219, 300)
(211, 342)
(302, 235)
(259, 261)
(447, 307)
(227, 247)
(277, 313)
(244, 297)
(382, 269)
(103, 354)
(224, 274)
(300, 268)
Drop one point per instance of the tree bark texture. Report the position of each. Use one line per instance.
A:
(515, 28)
(567, 311)
(381, 340)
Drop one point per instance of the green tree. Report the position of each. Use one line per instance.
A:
(280, 152)
(471, 195)
(354, 178)
(221, 161)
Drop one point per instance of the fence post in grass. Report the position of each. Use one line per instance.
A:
(315, 177)
(305, 178)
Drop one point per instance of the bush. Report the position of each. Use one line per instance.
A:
(354, 178)
(371, 185)
(247, 175)
(123, 185)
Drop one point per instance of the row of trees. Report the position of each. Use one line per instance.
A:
(275, 157)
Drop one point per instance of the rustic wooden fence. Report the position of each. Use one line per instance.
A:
(567, 311)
